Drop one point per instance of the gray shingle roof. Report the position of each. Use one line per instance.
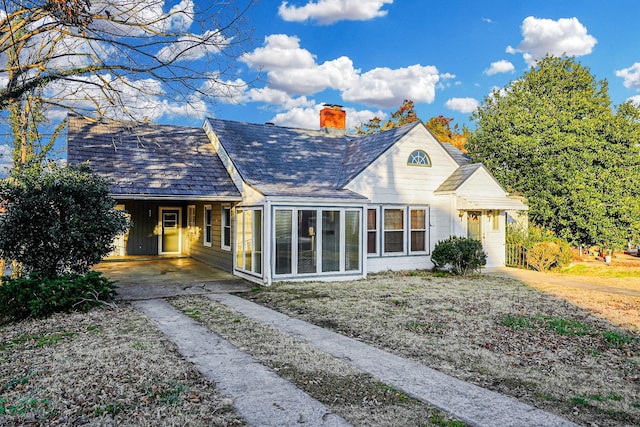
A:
(458, 177)
(149, 160)
(459, 157)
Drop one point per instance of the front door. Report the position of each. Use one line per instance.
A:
(474, 225)
(170, 231)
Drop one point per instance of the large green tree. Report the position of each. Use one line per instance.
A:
(553, 136)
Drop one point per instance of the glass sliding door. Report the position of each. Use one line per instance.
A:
(307, 242)
(330, 241)
(284, 239)
(352, 241)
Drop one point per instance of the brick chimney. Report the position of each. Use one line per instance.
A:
(333, 117)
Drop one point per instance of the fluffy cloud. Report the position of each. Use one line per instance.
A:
(566, 36)
(6, 159)
(386, 88)
(138, 17)
(631, 76)
(292, 70)
(122, 98)
(635, 99)
(278, 98)
(309, 117)
(330, 11)
(192, 46)
(463, 105)
(502, 66)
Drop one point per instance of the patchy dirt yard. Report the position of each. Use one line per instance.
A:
(105, 367)
(495, 332)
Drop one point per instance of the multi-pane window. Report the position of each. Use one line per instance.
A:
(207, 226)
(372, 231)
(393, 231)
(418, 230)
(249, 240)
(418, 158)
(316, 241)
(226, 227)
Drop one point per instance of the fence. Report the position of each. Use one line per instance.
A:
(516, 256)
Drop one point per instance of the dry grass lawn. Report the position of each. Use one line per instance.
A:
(575, 353)
(495, 332)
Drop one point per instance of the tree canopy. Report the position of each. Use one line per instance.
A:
(440, 126)
(553, 136)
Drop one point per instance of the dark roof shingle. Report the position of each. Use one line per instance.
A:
(150, 160)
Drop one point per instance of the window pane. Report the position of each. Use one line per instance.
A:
(248, 240)
(394, 241)
(257, 241)
(372, 242)
(393, 219)
(283, 241)
(417, 219)
(417, 241)
(330, 241)
(207, 225)
(239, 238)
(352, 241)
(307, 241)
(372, 224)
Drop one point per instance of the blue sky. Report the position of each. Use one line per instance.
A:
(370, 55)
(446, 56)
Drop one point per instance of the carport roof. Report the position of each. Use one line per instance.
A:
(149, 161)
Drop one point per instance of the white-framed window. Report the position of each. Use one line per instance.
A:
(418, 222)
(419, 158)
(372, 231)
(398, 230)
(225, 237)
(207, 225)
(495, 220)
(249, 239)
(313, 240)
(393, 231)
(191, 217)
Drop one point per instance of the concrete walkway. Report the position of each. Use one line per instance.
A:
(260, 396)
(472, 404)
(263, 398)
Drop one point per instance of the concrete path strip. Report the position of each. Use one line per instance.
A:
(472, 404)
(260, 396)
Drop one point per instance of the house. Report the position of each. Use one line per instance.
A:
(271, 203)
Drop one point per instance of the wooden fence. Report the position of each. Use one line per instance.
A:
(516, 256)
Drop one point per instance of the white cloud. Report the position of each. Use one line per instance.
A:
(6, 160)
(463, 105)
(309, 117)
(635, 99)
(138, 17)
(139, 99)
(502, 66)
(566, 36)
(386, 88)
(294, 71)
(279, 51)
(193, 46)
(330, 11)
(278, 98)
(631, 76)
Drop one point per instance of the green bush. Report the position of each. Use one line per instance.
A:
(57, 219)
(545, 250)
(38, 296)
(461, 255)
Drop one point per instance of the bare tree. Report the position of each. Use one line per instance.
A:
(117, 58)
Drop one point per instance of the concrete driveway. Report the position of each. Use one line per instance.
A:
(139, 279)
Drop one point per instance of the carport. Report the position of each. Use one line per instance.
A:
(157, 277)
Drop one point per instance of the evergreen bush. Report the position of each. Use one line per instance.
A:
(461, 255)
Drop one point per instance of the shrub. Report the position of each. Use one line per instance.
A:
(461, 254)
(57, 219)
(38, 296)
(544, 249)
(543, 255)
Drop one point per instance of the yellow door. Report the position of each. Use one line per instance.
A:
(170, 238)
